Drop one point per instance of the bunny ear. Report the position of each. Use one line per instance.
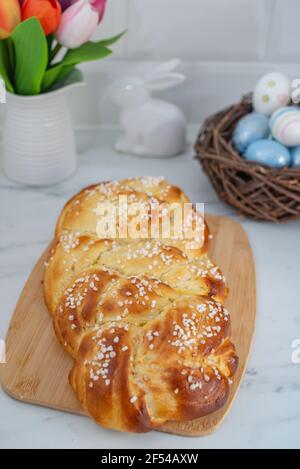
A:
(166, 67)
(164, 82)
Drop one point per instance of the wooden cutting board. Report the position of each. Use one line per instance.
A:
(37, 367)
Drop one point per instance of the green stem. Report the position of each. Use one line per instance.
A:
(54, 52)
(50, 41)
(11, 57)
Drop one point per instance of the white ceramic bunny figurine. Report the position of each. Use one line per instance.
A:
(151, 127)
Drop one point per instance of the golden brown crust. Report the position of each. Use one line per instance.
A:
(143, 318)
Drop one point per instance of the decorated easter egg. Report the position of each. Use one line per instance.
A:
(250, 128)
(272, 91)
(295, 154)
(285, 126)
(269, 153)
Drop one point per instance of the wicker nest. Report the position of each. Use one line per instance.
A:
(254, 189)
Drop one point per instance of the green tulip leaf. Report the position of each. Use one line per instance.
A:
(68, 76)
(31, 56)
(110, 41)
(87, 52)
(91, 51)
(6, 63)
(52, 75)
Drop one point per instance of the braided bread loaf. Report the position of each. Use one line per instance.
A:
(143, 318)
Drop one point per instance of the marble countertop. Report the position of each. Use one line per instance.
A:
(266, 412)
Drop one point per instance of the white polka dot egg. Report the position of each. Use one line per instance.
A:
(272, 92)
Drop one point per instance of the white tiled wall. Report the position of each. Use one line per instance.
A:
(284, 37)
(206, 30)
(225, 46)
(197, 29)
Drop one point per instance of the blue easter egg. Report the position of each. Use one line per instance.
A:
(269, 153)
(250, 128)
(295, 154)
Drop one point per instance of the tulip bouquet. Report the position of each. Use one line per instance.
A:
(34, 33)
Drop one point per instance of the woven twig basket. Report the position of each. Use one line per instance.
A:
(255, 190)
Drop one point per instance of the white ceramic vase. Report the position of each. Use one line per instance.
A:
(38, 139)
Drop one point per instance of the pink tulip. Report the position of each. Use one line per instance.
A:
(78, 24)
(100, 5)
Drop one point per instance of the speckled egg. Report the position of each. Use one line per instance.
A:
(285, 126)
(250, 128)
(269, 153)
(295, 154)
(271, 92)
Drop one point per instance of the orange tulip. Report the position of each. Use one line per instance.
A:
(10, 16)
(48, 12)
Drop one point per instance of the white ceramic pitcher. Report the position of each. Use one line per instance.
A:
(38, 138)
